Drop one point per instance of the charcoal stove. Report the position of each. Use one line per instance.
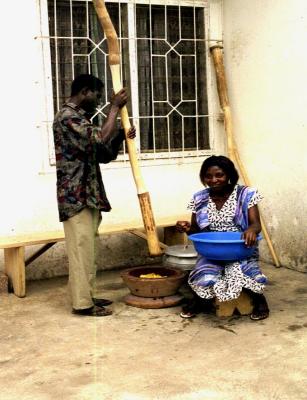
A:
(154, 292)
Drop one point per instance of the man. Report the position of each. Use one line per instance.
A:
(80, 146)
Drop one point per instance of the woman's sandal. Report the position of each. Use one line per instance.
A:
(260, 313)
(190, 309)
(94, 311)
(187, 314)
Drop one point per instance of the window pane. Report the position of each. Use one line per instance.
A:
(172, 27)
(172, 77)
(170, 59)
(188, 78)
(157, 15)
(78, 45)
(159, 77)
(175, 125)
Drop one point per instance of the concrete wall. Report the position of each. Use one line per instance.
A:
(28, 201)
(264, 42)
(263, 49)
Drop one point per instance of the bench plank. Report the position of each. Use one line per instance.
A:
(31, 239)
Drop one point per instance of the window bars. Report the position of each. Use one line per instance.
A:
(163, 63)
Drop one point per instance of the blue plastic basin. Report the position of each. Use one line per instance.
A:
(224, 246)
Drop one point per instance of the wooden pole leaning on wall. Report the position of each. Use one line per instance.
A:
(218, 61)
(143, 195)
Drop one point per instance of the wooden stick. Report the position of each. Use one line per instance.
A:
(185, 240)
(143, 195)
(217, 55)
(38, 253)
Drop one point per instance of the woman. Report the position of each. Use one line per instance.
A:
(225, 206)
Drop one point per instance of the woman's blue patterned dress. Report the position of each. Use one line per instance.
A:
(220, 279)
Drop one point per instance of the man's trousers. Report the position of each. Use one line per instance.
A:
(80, 235)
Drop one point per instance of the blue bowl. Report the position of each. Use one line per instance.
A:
(224, 246)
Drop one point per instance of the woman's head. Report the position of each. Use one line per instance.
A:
(218, 171)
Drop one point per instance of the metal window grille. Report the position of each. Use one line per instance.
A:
(163, 63)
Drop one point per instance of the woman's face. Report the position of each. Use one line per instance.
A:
(216, 179)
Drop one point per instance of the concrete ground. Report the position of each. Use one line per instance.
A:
(138, 354)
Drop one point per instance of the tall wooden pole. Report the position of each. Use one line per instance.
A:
(217, 55)
(143, 195)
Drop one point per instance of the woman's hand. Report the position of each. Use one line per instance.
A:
(250, 237)
(183, 226)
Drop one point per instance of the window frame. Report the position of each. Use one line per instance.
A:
(149, 158)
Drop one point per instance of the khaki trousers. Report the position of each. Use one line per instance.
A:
(80, 235)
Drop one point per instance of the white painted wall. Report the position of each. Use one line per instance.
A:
(28, 200)
(266, 64)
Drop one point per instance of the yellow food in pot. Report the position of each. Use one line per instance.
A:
(152, 275)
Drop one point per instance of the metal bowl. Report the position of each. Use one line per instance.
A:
(180, 256)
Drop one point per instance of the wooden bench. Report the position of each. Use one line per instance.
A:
(14, 246)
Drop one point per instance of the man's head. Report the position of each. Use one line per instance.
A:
(87, 89)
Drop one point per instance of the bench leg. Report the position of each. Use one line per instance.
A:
(243, 304)
(14, 267)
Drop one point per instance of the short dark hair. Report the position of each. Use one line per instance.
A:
(222, 162)
(85, 81)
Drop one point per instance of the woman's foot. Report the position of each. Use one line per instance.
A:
(261, 308)
(195, 306)
(259, 314)
(187, 314)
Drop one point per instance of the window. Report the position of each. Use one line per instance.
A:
(163, 55)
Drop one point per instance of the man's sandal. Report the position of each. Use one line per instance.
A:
(101, 302)
(94, 311)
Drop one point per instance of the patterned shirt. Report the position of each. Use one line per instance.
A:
(79, 150)
(225, 219)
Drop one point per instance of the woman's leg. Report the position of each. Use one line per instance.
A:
(195, 306)
(201, 280)
(192, 307)
(261, 308)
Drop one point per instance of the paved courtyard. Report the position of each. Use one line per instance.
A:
(138, 354)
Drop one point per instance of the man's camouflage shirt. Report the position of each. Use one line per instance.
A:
(79, 150)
